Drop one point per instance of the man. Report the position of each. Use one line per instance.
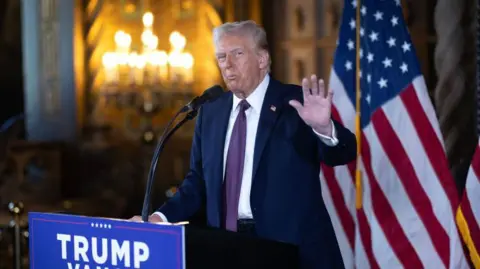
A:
(257, 150)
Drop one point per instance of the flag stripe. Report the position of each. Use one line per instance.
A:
(382, 252)
(468, 215)
(408, 194)
(386, 216)
(473, 185)
(472, 224)
(345, 249)
(339, 203)
(406, 174)
(366, 236)
(433, 147)
(361, 259)
(344, 173)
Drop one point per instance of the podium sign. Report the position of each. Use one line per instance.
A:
(78, 242)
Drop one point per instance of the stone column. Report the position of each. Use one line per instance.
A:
(255, 10)
(229, 10)
(50, 81)
(455, 91)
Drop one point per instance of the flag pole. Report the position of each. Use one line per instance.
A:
(358, 126)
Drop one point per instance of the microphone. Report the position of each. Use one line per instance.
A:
(208, 95)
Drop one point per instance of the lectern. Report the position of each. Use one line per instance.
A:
(79, 242)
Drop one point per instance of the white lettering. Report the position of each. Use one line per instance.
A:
(120, 253)
(141, 252)
(102, 251)
(80, 248)
(64, 238)
(77, 266)
(99, 259)
(86, 266)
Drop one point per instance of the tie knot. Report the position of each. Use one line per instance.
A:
(243, 105)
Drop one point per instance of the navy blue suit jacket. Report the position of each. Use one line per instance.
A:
(286, 199)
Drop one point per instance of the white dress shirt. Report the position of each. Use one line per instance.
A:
(255, 99)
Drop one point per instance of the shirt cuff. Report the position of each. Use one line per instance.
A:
(160, 214)
(329, 141)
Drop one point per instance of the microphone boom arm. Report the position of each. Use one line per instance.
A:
(164, 138)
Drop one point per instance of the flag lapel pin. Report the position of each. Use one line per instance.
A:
(273, 108)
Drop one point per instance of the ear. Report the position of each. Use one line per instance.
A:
(263, 59)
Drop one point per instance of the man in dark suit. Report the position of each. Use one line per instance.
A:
(257, 150)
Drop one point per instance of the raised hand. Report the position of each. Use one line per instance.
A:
(316, 110)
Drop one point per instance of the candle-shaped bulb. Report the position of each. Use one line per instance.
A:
(147, 19)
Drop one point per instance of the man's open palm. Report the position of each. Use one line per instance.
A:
(316, 110)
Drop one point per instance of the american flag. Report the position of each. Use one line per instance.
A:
(407, 219)
(468, 215)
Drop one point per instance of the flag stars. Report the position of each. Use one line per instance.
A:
(348, 65)
(387, 63)
(391, 42)
(369, 78)
(378, 15)
(350, 44)
(404, 68)
(394, 20)
(368, 98)
(397, 2)
(405, 47)
(363, 10)
(382, 83)
(362, 31)
(101, 225)
(361, 53)
(373, 36)
(354, 3)
(352, 24)
(370, 57)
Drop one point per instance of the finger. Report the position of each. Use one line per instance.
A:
(296, 104)
(321, 88)
(136, 219)
(306, 88)
(330, 94)
(155, 218)
(314, 89)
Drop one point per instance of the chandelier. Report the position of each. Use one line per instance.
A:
(150, 66)
(148, 80)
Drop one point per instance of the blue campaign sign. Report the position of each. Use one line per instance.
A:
(77, 242)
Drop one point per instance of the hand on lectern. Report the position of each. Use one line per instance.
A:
(152, 218)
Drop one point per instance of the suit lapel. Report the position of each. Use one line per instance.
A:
(271, 109)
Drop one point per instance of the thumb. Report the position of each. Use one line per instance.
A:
(295, 104)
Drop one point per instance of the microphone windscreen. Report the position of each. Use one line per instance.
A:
(213, 92)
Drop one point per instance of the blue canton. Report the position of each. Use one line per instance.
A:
(388, 63)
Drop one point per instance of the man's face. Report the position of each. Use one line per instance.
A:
(239, 63)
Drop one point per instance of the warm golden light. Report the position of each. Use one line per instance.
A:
(187, 60)
(109, 60)
(149, 40)
(137, 60)
(149, 65)
(122, 39)
(158, 58)
(147, 19)
(132, 59)
(175, 59)
(177, 40)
